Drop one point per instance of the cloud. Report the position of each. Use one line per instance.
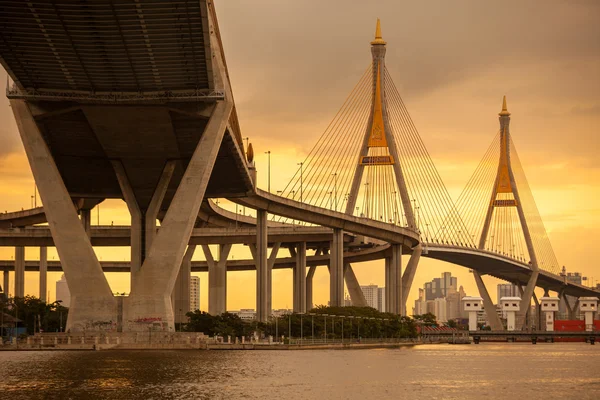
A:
(586, 111)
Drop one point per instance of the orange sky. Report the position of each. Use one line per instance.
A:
(292, 64)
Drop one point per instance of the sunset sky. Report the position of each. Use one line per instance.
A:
(292, 64)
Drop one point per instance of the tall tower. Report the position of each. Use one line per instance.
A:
(378, 146)
(505, 193)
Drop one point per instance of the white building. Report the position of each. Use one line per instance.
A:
(371, 293)
(62, 292)
(381, 299)
(247, 314)
(194, 293)
(440, 309)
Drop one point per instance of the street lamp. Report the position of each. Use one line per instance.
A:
(269, 171)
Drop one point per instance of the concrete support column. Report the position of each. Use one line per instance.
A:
(526, 299)
(488, 305)
(389, 290)
(151, 291)
(91, 297)
(356, 295)
(270, 264)
(19, 271)
(5, 282)
(409, 275)
(300, 278)
(143, 221)
(86, 220)
(181, 291)
(43, 273)
(262, 268)
(396, 275)
(309, 287)
(336, 269)
(217, 279)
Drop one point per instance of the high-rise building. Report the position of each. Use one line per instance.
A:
(194, 293)
(381, 299)
(371, 294)
(507, 290)
(439, 287)
(440, 305)
(62, 292)
(454, 307)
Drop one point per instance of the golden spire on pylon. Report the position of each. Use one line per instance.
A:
(504, 111)
(378, 38)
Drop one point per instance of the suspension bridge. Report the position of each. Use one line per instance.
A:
(147, 115)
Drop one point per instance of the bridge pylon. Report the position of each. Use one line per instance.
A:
(511, 225)
(371, 163)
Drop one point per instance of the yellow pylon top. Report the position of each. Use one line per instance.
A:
(378, 38)
(504, 111)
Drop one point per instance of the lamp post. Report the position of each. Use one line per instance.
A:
(269, 171)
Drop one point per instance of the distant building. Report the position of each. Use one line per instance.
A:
(62, 292)
(281, 312)
(247, 314)
(371, 293)
(454, 307)
(347, 301)
(381, 299)
(506, 290)
(194, 293)
(439, 309)
(439, 287)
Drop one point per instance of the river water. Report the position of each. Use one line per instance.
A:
(485, 371)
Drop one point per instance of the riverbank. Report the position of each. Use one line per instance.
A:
(211, 346)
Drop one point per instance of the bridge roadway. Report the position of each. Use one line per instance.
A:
(485, 262)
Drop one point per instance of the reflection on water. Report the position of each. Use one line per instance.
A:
(491, 371)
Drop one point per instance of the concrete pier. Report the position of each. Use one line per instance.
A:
(309, 287)
(217, 279)
(299, 279)
(43, 273)
(260, 257)
(19, 271)
(336, 269)
(91, 297)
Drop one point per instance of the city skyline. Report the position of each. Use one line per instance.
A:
(448, 108)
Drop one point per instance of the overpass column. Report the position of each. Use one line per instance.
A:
(181, 291)
(262, 267)
(300, 278)
(356, 295)
(217, 279)
(409, 275)
(5, 282)
(91, 296)
(270, 264)
(43, 273)
(488, 305)
(396, 278)
(143, 221)
(309, 287)
(389, 288)
(86, 220)
(336, 269)
(19, 271)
